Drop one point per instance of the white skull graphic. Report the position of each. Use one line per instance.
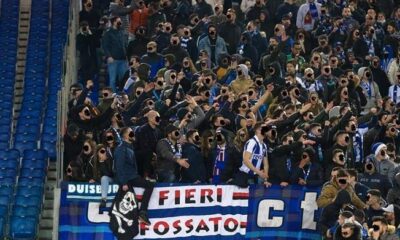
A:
(128, 203)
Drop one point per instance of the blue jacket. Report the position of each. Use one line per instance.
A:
(197, 169)
(125, 163)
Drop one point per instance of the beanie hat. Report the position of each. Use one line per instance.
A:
(170, 128)
(377, 147)
(244, 69)
(181, 113)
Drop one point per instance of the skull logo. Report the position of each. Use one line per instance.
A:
(128, 203)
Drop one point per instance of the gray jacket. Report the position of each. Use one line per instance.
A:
(384, 167)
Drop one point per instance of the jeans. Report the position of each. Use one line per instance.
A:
(148, 190)
(166, 176)
(105, 182)
(116, 71)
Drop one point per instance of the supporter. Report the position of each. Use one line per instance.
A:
(308, 172)
(374, 180)
(196, 172)
(114, 45)
(359, 188)
(382, 230)
(103, 171)
(230, 31)
(152, 58)
(118, 9)
(126, 170)
(138, 17)
(381, 160)
(348, 231)
(339, 182)
(169, 155)
(392, 215)
(213, 44)
(374, 205)
(225, 159)
(308, 14)
(90, 14)
(255, 152)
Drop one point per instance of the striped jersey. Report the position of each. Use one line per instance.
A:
(258, 151)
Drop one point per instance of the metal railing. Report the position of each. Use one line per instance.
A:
(68, 78)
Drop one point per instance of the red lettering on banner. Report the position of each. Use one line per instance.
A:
(162, 197)
(202, 226)
(157, 227)
(177, 197)
(189, 225)
(177, 226)
(235, 224)
(216, 220)
(206, 193)
(143, 228)
(189, 196)
(219, 194)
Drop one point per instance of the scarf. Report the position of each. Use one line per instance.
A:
(313, 11)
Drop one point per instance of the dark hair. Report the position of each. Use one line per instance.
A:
(190, 133)
(342, 173)
(381, 219)
(124, 130)
(352, 173)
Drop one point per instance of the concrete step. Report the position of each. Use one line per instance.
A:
(46, 223)
(45, 234)
(48, 204)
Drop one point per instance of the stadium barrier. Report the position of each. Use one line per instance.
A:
(198, 212)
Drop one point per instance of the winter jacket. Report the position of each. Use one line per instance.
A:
(156, 62)
(376, 181)
(220, 46)
(330, 190)
(138, 18)
(125, 163)
(114, 44)
(196, 170)
(390, 234)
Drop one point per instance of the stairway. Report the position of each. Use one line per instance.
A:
(47, 217)
(23, 36)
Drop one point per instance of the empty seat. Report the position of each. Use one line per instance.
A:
(9, 154)
(4, 200)
(35, 154)
(50, 147)
(7, 181)
(8, 172)
(25, 145)
(28, 191)
(6, 191)
(33, 173)
(26, 212)
(31, 201)
(23, 227)
(29, 181)
(34, 164)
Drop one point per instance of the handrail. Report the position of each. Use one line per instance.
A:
(69, 72)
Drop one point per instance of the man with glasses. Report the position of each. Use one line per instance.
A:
(330, 190)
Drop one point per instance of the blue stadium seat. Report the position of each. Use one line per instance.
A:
(34, 173)
(9, 154)
(23, 227)
(28, 191)
(4, 145)
(35, 154)
(6, 191)
(9, 163)
(8, 172)
(7, 181)
(34, 164)
(4, 200)
(25, 212)
(25, 145)
(29, 181)
(31, 201)
(2, 223)
(50, 147)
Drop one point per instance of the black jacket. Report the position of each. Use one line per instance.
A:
(232, 162)
(313, 172)
(196, 170)
(278, 169)
(125, 163)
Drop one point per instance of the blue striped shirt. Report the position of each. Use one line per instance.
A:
(258, 152)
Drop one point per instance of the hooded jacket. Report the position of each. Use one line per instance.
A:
(242, 84)
(156, 62)
(393, 196)
(390, 234)
(248, 50)
(275, 76)
(356, 234)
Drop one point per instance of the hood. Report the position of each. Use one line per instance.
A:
(342, 197)
(167, 77)
(143, 71)
(247, 36)
(277, 69)
(244, 69)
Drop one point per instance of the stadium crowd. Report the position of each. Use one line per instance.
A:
(238, 92)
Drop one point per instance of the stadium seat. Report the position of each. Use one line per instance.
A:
(35, 154)
(28, 191)
(9, 154)
(6, 190)
(7, 181)
(4, 200)
(23, 227)
(50, 147)
(25, 145)
(25, 212)
(31, 201)
(34, 164)
(30, 181)
(34, 173)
